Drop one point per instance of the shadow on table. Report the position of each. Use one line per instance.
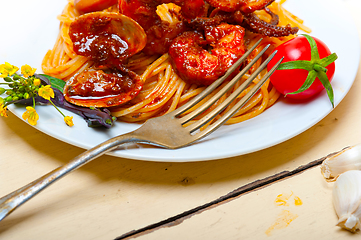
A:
(219, 176)
(248, 167)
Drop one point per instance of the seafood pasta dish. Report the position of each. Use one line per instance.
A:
(144, 58)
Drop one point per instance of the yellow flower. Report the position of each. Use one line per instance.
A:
(3, 110)
(31, 115)
(37, 82)
(46, 92)
(27, 71)
(69, 121)
(3, 73)
(7, 69)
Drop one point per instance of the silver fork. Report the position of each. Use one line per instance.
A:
(166, 131)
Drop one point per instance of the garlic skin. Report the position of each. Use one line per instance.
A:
(347, 159)
(346, 196)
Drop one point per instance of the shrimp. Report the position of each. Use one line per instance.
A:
(161, 33)
(245, 6)
(107, 39)
(195, 64)
(144, 11)
(193, 12)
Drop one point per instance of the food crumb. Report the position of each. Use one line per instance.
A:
(283, 220)
(298, 201)
(285, 217)
(282, 199)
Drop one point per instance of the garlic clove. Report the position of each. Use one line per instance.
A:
(347, 159)
(347, 200)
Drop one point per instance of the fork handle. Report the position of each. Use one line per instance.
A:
(13, 200)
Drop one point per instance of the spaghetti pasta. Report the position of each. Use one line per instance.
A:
(163, 89)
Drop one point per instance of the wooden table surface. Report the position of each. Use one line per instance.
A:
(233, 198)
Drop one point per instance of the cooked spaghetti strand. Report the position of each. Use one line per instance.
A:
(163, 89)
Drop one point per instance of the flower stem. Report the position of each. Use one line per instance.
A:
(56, 108)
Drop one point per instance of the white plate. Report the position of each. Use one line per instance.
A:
(29, 29)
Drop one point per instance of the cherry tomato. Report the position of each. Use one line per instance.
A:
(290, 80)
(86, 6)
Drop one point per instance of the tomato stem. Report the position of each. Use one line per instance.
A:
(319, 68)
(316, 68)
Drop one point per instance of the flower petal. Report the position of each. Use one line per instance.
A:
(69, 121)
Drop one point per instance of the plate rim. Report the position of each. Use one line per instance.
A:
(174, 158)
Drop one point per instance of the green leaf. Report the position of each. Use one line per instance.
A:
(327, 85)
(299, 64)
(55, 82)
(324, 62)
(314, 50)
(309, 80)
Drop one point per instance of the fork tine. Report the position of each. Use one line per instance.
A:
(220, 93)
(224, 104)
(215, 84)
(234, 109)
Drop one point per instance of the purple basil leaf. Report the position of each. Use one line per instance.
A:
(94, 117)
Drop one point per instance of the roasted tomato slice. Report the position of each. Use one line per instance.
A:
(95, 88)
